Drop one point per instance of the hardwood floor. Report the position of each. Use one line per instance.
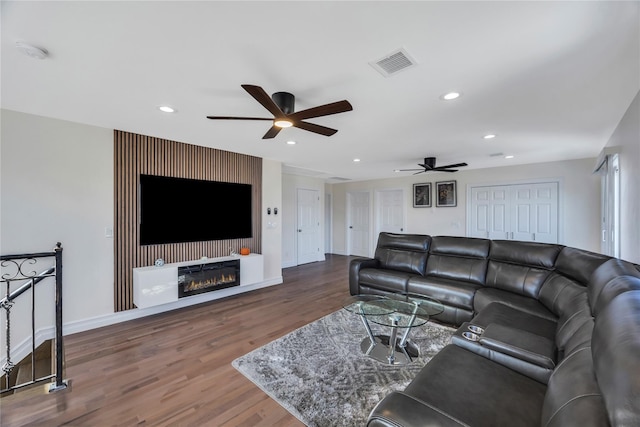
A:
(174, 368)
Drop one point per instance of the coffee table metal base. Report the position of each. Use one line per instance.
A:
(380, 350)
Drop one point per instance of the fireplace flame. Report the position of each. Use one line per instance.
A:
(223, 279)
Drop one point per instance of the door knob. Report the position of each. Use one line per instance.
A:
(351, 226)
(299, 230)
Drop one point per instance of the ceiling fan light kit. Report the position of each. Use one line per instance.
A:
(282, 123)
(281, 105)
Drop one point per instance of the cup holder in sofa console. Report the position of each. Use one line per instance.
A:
(476, 329)
(471, 336)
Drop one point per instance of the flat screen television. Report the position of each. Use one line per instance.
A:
(176, 210)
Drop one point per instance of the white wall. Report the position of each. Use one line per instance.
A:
(271, 224)
(579, 201)
(290, 186)
(56, 182)
(627, 138)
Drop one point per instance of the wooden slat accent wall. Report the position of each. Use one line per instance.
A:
(139, 154)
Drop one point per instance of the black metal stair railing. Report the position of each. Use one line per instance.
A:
(19, 269)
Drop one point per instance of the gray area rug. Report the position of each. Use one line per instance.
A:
(319, 374)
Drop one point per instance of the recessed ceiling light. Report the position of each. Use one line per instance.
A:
(291, 142)
(489, 136)
(509, 157)
(450, 96)
(32, 51)
(166, 109)
(356, 160)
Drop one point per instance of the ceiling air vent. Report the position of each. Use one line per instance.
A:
(337, 178)
(496, 155)
(394, 63)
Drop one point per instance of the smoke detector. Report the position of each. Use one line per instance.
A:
(31, 51)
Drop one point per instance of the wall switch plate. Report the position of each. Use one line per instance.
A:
(108, 232)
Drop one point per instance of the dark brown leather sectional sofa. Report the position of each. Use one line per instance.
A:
(561, 340)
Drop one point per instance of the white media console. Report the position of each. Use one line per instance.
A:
(159, 285)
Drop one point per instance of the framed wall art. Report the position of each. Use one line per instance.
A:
(422, 195)
(446, 195)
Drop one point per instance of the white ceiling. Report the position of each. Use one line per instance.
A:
(551, 79)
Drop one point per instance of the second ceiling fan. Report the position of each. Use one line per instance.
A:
(281, 105)
(429, 165)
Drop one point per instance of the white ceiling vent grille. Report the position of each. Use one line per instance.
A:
(394, 63)
(337, 178)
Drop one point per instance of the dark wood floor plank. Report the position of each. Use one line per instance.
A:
(174, 368)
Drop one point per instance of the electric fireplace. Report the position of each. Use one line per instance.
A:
(201, 278)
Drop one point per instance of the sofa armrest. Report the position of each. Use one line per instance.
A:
(398, 409)
(520, 344)
(354, 272)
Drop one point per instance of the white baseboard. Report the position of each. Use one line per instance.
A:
(339, 253)
(289, 264)
(136, 313)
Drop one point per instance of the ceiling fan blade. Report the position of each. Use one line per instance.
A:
(426, 167)
(446, 170)
(272, 132)
(263, 98)
(419, 172)
(322, 130)
(237, 118)
(322, 110)
(457, 165)
(409, 170)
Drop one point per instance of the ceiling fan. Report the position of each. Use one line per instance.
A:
(429, 165)
(281, 104)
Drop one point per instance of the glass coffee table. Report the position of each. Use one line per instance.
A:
(399, 313)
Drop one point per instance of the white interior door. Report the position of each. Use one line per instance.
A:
(534, 212)
(308, 231)
(526, 212)
(490, 212)
(390, 211)
(358, 232)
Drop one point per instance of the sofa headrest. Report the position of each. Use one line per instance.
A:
(408, 242)
(616, 349)
(403, 252)
(525, 253)
(460, 246)
(579, 264)
(610, 276)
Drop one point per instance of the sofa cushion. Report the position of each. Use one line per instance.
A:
(519, 279)
(403, 252)
(486, 296)
(502, 314)
(616, 355)
(477, 391)
(449, 292)
(388, 280)
(533, 254)
(573, 397)
(457, 268)
(568, 300)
